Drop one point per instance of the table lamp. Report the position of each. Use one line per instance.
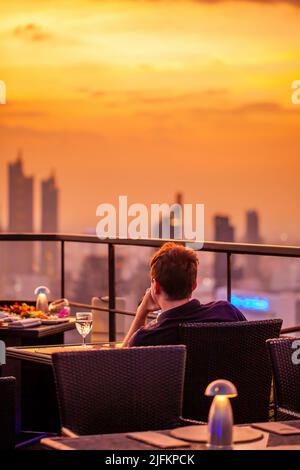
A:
(42, 300)
(220, 419)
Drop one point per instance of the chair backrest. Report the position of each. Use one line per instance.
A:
(120, 390)
(7, 412)
(235, 351)
(286, 372)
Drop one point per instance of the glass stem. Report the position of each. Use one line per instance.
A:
(83, 341)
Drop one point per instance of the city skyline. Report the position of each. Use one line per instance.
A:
(148, 98)
(22, 205)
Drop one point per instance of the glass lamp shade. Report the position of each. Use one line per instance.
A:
(221, 387)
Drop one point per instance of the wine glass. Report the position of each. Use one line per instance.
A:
(84, 323)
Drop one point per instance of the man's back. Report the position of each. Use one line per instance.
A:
(164, 330)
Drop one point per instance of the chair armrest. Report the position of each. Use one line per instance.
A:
(66, 432)
(190, 422)
(284, 414)
(291, 329)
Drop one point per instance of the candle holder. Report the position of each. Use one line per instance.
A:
(220, 419)
(42, 300)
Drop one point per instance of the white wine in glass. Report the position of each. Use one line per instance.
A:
(84, 324)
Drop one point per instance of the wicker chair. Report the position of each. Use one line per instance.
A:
(286, 378)
(235, 351)
(120, 390)
(7, 412)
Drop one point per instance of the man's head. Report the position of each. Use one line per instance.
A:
(173, 270)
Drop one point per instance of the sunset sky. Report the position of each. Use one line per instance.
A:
(146, 98)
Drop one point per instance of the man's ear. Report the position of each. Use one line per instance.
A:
(195, 285)
(156, 287)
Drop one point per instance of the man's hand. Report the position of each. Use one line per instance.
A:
(148, 304)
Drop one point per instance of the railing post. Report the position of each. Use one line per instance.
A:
(111, 293)
(62, 269)
(229, 277)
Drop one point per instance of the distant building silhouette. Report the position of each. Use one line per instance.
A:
(174, 221)
(252, 236)
(49, 205)
(92, 280)
(20, 214)
(252, 227)
(223, 231)
(49, 253)
(20, 199)
(176, 216)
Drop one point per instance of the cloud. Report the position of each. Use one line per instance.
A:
(259, 107)
(22, 132)
(152, 98)
(295, 3)
(32, 32)
(265, 107)
(15, 109)
(24, 114)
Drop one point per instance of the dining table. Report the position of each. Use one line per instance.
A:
(125, 442)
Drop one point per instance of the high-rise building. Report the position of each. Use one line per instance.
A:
(224, 232)
(252, 236)
(49, 220)
(20, 215)
(20, 199)
(172, 222)
(176, 217)
(92, 280)
(49, 205)
(252, 227)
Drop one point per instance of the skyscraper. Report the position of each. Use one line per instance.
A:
(49, 205)
(20, 215)
(49, 258)
(252, 227)
(224, 232)
(172, 221)
(20, 199)
(252, 236)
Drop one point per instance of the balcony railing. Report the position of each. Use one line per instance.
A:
(226, 248)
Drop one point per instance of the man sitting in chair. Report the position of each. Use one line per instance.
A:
(173, 271)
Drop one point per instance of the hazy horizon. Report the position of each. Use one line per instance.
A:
(147, 99)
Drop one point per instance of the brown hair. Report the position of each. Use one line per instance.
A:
(174, 267)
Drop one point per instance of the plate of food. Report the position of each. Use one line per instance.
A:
(24, 311)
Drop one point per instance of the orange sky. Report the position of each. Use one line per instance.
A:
(147, 98)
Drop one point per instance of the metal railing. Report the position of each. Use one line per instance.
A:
(226, 248)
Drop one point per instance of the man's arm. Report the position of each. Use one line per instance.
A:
(146, 306)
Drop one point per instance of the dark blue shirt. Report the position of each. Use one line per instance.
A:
(164, 330)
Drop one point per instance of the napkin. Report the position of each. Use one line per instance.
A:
(4, 315)
(7, 317)
(27, 323)
(11, 318)
(157, 439)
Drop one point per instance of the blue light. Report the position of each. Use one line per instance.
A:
(261, 304)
